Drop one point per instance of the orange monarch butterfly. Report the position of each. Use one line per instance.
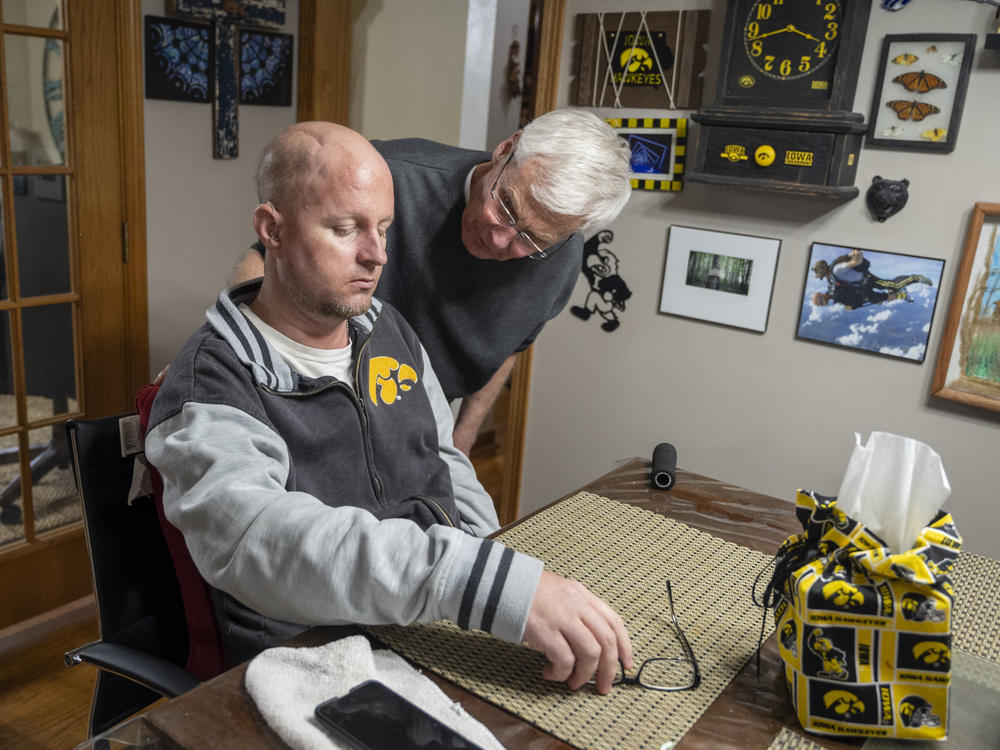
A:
(907, 110)
(920, 82)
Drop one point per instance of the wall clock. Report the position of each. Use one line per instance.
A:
(781, 118)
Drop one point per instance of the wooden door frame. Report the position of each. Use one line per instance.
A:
(44, 572)
(546, 99)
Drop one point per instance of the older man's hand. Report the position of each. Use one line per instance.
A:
(578, 632)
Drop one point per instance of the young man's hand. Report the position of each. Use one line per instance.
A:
(578, 632)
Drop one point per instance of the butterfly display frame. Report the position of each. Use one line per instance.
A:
(920, 91)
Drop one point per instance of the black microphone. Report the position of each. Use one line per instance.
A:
(664, 468)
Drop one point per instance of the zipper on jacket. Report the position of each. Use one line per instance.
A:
(359, 396)
(437, 505)
(359, 406)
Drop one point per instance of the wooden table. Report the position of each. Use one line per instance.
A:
(747, 715)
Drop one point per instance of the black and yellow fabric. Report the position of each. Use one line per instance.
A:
(865, 635)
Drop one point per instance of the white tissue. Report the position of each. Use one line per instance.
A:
(894, 485)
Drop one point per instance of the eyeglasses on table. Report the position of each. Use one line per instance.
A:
(665, 673)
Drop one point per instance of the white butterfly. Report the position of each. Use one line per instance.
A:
(952, 59)
(893, 130)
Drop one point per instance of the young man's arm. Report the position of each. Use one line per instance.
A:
(224, 474)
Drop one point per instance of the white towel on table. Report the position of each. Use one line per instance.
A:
(287, 684)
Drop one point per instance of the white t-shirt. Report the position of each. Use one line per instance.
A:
(305, 360)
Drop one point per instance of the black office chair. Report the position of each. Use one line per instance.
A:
(144, 635)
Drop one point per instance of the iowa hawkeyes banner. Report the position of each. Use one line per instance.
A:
(865, 635)
(641, 59)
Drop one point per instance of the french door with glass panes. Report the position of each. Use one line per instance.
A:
(72, 277)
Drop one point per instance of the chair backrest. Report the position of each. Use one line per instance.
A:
(205, 655)
(138, 599)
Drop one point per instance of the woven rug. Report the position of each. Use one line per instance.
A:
(624, 555)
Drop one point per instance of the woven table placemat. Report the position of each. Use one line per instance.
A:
(786, 739)
(975, 626)
(625, 555)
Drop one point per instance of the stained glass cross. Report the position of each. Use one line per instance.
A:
(226, 16)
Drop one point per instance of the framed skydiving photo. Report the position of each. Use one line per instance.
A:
(871, 300)
(920, 91)
(719, 276)
(658, 149)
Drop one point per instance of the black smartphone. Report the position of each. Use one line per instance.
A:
(373, 717)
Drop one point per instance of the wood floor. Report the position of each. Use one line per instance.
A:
(44, 704)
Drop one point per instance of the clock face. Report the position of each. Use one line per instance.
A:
(788, 49)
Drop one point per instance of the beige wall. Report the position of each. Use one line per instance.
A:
(197, 208)
(407, 65)
(767, 411)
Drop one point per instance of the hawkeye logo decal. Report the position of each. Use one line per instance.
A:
(387, 378)
(842, 594)
(923, 653)
(856, 704)
(843, 704)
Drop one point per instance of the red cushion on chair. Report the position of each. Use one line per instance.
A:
(205, 648)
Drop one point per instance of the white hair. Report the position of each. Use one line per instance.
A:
(582, 166)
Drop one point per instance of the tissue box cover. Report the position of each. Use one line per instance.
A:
(865, 635)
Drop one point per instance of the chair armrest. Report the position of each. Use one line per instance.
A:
(160, 675)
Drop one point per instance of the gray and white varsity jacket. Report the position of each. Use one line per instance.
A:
(316, 501)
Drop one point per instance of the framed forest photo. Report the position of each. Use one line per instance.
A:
(968, 366)
(719, 276)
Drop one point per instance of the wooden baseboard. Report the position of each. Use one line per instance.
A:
(24, 634)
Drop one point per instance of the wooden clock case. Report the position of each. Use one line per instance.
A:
(813, 143)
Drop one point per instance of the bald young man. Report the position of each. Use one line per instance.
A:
(305, 443)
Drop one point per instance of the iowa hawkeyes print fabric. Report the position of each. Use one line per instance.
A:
(865, 635)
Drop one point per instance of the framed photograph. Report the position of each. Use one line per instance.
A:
(968, 365)
(658, 148)
(920, 91)
(870, 300)
(718, 276)
(641, 59)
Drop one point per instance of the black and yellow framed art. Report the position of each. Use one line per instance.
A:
(659, 150)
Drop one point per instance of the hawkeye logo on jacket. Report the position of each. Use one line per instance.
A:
(387, 378)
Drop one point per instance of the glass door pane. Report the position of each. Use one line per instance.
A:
(38, 336)
(42, 225)
(43, 13)
(35, 100)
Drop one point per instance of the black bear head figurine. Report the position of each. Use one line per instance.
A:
(886, 197)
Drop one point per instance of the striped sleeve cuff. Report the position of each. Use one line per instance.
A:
(491, 588)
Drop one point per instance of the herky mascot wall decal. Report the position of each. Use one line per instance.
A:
(608, 290)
